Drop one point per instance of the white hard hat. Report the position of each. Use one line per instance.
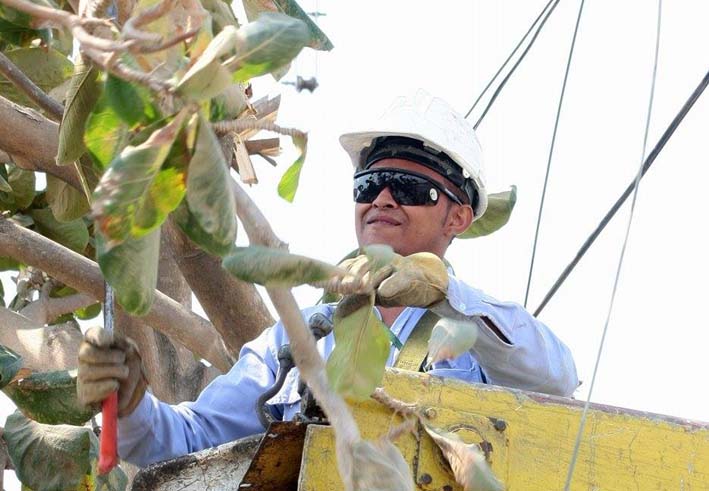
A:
(432, 121)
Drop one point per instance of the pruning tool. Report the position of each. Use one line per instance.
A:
(108, 452)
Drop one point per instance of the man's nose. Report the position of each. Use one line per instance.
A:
(385, 199)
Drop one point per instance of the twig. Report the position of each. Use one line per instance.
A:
(401, 407)
(22, 82)
(46, 309)
(239, 125)
(305, 353)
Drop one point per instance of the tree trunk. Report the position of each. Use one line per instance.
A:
(235, 308)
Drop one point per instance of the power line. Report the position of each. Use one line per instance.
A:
(517, 63)
(636, 186)
(646, 166)
(551, 151)
(499, 70)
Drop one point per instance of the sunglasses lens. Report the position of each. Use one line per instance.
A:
(406, 189)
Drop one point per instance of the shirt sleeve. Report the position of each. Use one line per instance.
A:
(224, 411)
(527, 356)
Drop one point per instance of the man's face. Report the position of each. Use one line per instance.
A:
(408, 229)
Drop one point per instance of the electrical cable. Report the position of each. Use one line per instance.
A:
(551, 151)
(502, 67)
(517, 63)
(636, 186)
(611, 213)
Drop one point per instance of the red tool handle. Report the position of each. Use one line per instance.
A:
(108, 450)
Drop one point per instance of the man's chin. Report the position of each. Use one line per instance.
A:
(393, 240)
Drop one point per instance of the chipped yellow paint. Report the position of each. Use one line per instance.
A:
(530, 438)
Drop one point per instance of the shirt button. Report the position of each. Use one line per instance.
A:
(461, 306)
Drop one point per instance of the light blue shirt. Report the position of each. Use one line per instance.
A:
(534, 359)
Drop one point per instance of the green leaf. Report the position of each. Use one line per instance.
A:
(451, 338)
(73, 234)
(131, 268)
(19, 33)
(106, 133)
(130, 102)
(46, 67)
(10, 364)
(135, 195)
(22, 183)
(379, 466)
(467, 462)
(209, 193)
(379, 256)
(267, 44)
(50, 398)
(57, 457)
(9, 264)
(356, 365)
(187, 222)
(318, 39)
(88, 313)
(4, 185)
(274, 267)
(66, 202)
(83, 93)
(288, 184)
(207, 77)
(499, 210)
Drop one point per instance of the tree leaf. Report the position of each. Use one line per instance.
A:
(88, 313)
(187, 222)
(318, 39)
(274, 267)
(356, 365)
(66, 202)
(50, 398)
(83, 93)
(129, 101)
(288, 184)
(379, 256)
(131, 268)
(209, 193)
(73, 234)
(207, 77)
(106, 133)
(19, 33)
(467, 462)
(22, 183)
(451, 338)
(45, 66)
(135, 195)
(267, 44)
(8, 264)
(57, 457)
(499, 210)
(10, 364)
(4, 185)
(379, 466)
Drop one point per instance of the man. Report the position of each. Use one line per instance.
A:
(418, 184)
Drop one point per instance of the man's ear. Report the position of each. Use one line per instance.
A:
(459, 219)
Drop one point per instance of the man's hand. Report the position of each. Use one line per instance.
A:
(109, 362)
(418, 280)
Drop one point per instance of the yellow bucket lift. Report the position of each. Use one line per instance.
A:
(528, 439)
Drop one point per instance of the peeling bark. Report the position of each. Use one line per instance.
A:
(234, 307)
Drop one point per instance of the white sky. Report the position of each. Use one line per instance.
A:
(657, 340)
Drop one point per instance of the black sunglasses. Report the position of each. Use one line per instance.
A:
(408, 188)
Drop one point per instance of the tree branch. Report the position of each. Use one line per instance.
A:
(302, 342)
(42, 348)
(83, 275)
(47, 309)
(234, 307)
(31, 140)
(23, 82)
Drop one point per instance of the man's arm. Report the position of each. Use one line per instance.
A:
(515, 349)
(224, 411)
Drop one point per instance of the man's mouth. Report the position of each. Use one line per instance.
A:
(382, 220)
